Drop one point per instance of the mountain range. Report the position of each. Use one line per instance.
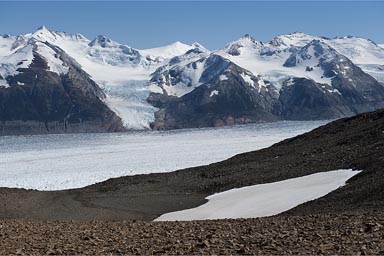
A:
(57, 82)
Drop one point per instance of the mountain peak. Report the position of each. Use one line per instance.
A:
(197, 45)
(246, 42)
(297, 33)
(296, 39)
(311, 54)
(178, 44)
(247, 36)
(42, 27)
(319, 45)
(44, 34)
(200, 47)
(102, 41)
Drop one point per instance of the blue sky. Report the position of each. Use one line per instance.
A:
(148, 24)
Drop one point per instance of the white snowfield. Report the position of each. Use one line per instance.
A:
(54, 162)
(252, 56)
(168, 51)
(264, 199)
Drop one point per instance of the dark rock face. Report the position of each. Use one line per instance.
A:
(305, 99)
(225, 98)
(41, 101)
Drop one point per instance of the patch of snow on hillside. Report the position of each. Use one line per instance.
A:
(213, 93)
(223, 77)
(3, 83)
(247, 79)
(264, 199)
(334, 91)
(195, 72)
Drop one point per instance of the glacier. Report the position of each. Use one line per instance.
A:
(65, 161)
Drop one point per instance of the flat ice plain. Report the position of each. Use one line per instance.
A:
(64, 161)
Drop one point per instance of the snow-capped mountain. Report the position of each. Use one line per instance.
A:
(267, 59)
(225, 94)
(45, 90)
(181, 74)
(309, 81)
(294, 76)
(363, 52)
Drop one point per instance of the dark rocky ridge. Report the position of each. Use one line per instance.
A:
(356, 143)
(41, 101)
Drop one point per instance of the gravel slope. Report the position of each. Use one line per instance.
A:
(315, 234)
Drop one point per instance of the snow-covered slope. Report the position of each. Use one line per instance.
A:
(181, 75)
(363, 52)
(18, 52)
(312, 59)
(296, 39)
(267, 60)
(359, 50)
(265, 199)
(168, 51)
